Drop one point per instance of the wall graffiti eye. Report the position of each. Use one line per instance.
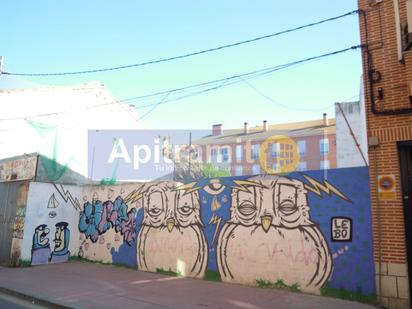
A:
(287, 207)
(155, 211)
(155, 205)
(185, 210)
(247, 208)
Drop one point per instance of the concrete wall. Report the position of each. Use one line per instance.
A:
(307, 231)
(18, 168)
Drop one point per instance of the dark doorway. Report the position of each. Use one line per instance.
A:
(405, 160)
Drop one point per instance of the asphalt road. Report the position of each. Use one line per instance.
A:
(12, 302)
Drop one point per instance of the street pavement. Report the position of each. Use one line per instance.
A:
(8, 301)
(87, 285)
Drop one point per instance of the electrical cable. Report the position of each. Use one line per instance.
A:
(153, 108)
(240, 77)
(284, 105)
(224, 82)
(184, 55)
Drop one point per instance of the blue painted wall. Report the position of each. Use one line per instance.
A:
(353, 266)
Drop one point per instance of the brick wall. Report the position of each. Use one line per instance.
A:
(395, 78)
(389, 129)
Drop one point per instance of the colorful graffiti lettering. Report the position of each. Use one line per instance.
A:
(97, 218)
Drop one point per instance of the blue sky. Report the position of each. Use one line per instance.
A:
(49, 36)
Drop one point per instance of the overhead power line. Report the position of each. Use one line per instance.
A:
(185, 55)
(259, 92)
(234, 79)
(214, 85)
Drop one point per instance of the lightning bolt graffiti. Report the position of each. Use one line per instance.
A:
(134, 196)
(188, 188)
(243, 185)
(67, 196)
(317, 188)
(215, 220)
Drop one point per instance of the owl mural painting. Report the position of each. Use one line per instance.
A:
(300, 230)
(271, 237)
(171, 237)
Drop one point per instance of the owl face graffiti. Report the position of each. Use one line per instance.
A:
(271, 237)
(167, 207)
(267, 203)
(171, 237)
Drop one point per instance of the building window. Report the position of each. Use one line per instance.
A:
(286, 151)
(255, 151)
(275, 167)
(239, 153)
(275, 150)
(225, 154)
(324, 146)
(256, 169)
(238, 170)
(324, 164)
(302, 148)
(213, 154)
(302, 166)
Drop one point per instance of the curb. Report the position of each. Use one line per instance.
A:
(31, 299)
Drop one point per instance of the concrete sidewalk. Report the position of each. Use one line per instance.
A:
(86, 285)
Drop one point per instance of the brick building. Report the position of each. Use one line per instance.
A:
(387, 67)
(238, 150)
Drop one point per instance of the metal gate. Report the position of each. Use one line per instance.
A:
(13, 195)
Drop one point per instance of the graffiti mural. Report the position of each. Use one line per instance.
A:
(48, 224)
(299, 230)
(244, 229)
(108, 225)
(171, 237)
(271, 237)
(61, 251)
(40, 252)
(98, 217)
(18, 226)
